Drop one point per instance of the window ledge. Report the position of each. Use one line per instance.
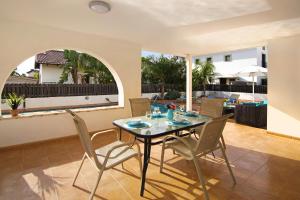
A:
(58, 112)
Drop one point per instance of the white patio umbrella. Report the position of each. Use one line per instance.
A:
(253, 71)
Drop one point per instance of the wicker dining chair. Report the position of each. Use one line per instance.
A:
(139, 106)
(212, 108)
(190, 148)
(105, 157)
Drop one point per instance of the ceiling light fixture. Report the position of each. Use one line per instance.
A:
(99, 6)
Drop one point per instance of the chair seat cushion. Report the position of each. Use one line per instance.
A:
(117, 156)
(181, 148)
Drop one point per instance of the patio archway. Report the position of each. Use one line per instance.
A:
(95, 55)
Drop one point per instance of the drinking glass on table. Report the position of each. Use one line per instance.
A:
(148, 114)
(156, 111)
(175, 115)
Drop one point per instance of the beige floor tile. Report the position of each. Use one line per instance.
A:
(265, 166)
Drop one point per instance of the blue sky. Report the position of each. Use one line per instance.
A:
(28, 64)
(151, 53)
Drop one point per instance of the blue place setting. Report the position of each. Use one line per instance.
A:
(181, 122)
(137, 124)
(191, 114)
(158, 115)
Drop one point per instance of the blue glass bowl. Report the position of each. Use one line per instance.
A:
(179, 123)
(134, 123)
(140, 124)
(191, 114)
(153, 116)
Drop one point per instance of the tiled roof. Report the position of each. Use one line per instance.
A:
(20, 80)
(51, 57)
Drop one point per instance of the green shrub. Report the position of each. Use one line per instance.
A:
(172, 95)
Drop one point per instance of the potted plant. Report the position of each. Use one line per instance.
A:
(14, 101)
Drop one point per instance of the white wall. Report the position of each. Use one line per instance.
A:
(52, 74)
(243, 96)
(240, 59)
(22, 40)
(284, 86)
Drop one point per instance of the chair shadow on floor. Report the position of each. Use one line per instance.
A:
(247, 166)
(269, 167)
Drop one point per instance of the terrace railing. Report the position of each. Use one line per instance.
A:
(59, 90)
(154, 88)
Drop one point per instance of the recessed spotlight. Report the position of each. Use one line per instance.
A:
(99, 6)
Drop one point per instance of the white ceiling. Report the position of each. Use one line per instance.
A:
(187, 12)
(170, 26)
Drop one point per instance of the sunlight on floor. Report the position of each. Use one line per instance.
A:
(264, 166)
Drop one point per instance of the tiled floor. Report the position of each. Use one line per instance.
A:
(266, 167)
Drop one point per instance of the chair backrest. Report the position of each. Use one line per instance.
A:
(84, 136)
(210, 134)
(212, 107)
(139, 106)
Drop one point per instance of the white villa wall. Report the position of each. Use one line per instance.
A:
(241, 58)
(243, 96)
(122, 58)
(51, 74)
(284, 86)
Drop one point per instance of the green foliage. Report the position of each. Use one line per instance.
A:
(173, 94)
(15, 73)
(36, 75)
(72, 66)
(14, 101)
(86, 65)
(163, 70)
(202, 74)
(96, 69)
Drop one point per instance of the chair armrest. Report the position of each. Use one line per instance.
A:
(180, 139)
(102, 132)
(118, 146)
(114, 148)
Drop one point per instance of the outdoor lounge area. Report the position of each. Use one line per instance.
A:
(130, 135)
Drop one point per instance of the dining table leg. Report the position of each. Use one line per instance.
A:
(147, 151)
(120, 134)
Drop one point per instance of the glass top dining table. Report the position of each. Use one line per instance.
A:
(159, 126)
(156, 127)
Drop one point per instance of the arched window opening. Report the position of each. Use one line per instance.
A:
(59, 79)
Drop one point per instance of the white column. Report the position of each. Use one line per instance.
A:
(189, 89)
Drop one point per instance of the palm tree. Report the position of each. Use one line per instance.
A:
(96, 69)
(87, 65)
(72, 66)
(163, 70)
(202, 74)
